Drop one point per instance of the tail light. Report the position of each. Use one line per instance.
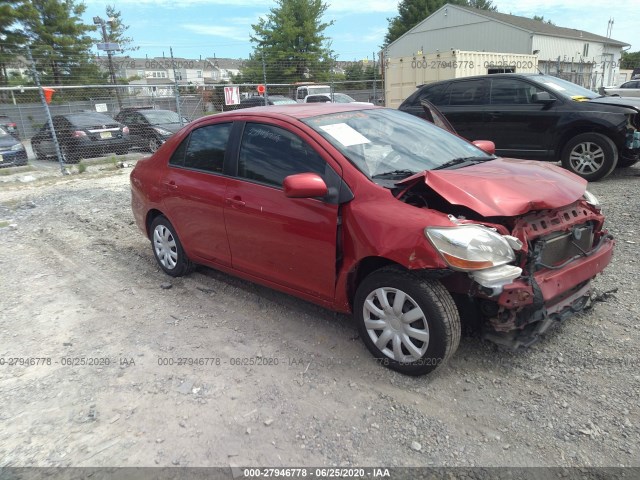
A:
(12, 125)
(125, 130)
(79, 133)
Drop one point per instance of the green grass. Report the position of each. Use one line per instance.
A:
(11, 170)
(4, 224)
(82, 167)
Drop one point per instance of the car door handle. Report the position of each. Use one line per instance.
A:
(234, 202)
(172, 185)
(494, 115)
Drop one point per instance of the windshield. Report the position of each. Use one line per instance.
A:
(161, 116)
(342, 98)
(3, 133)
(565, 88)
(393, 144)
(282, 101)
(318, 90)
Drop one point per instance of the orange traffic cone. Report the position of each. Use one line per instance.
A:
(48, 93)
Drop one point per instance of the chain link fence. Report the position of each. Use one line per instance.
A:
(96, 120)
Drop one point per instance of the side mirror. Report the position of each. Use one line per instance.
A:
(543, 97)
(304, 185)
(486, 146)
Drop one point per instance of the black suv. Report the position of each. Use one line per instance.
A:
(148, 127)
(539, 117)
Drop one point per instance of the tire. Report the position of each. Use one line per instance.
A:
(39, 154)
(590, 155)
(69, 156)
(154, 145)
(168, 250)
(624, 162)
(416, 348)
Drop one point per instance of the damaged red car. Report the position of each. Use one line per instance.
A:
(373, 211)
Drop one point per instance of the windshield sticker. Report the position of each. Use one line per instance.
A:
(345, 134)
(555, 86)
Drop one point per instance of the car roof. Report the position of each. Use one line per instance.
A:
(491, 75)
(298, 110)
(82, 118)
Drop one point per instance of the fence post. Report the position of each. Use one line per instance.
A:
(36, 77)
(264, 80)
(177, 93)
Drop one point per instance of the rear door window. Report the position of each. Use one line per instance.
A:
(471, 92)
(204, 149)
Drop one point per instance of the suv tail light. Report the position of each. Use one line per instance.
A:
(79, 133)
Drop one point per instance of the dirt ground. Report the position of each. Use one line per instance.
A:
(106, 361)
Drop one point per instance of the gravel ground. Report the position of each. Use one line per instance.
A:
(79, 282)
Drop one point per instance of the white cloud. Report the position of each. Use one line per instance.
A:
(231, 32)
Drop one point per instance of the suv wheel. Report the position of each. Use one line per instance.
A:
(590, 155)
(409, 324)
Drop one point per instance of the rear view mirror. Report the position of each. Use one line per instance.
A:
(304, 185)
(543, 97)
(486, 146)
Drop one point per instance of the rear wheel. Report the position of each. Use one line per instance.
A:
(168, 250)
(590, 155)
(70, 156)
(410, 324)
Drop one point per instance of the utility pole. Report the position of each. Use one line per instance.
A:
(109, 48)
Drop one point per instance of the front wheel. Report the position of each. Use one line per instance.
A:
(409, 324)
(154, 145)
(168, 250)
(590, 155)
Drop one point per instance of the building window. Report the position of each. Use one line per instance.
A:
(199, 73)
(585, 50)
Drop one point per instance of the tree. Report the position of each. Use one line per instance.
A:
(540, 18)
(117, 30)
(630, 60)
(11, 38)
(292, 43)
(60, 42)
(412, 12)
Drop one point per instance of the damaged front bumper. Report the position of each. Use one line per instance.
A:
(527, 307)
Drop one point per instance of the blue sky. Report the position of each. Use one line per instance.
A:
(197, 28)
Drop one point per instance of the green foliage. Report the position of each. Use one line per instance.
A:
(291, 41)
(540, 18)
(630, 60)
(116, 30)
(412, 12)
(10, 38)
(60, 42)
(361, 72)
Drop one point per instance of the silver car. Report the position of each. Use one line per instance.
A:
(627, 89)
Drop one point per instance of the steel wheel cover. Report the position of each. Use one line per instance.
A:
(586, 157)
(396, 324)
(165, 247)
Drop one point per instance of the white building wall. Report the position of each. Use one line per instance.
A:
(450, 28)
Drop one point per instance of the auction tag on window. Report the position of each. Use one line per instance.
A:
(345, 134)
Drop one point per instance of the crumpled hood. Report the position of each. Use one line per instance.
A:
(505, 186)
(629, 102)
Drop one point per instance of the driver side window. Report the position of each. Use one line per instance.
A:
(268, 154)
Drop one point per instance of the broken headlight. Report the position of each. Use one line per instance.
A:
(470, 247)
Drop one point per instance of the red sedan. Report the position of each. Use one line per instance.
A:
(373, 211)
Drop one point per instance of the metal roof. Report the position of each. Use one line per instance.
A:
(539, 27)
